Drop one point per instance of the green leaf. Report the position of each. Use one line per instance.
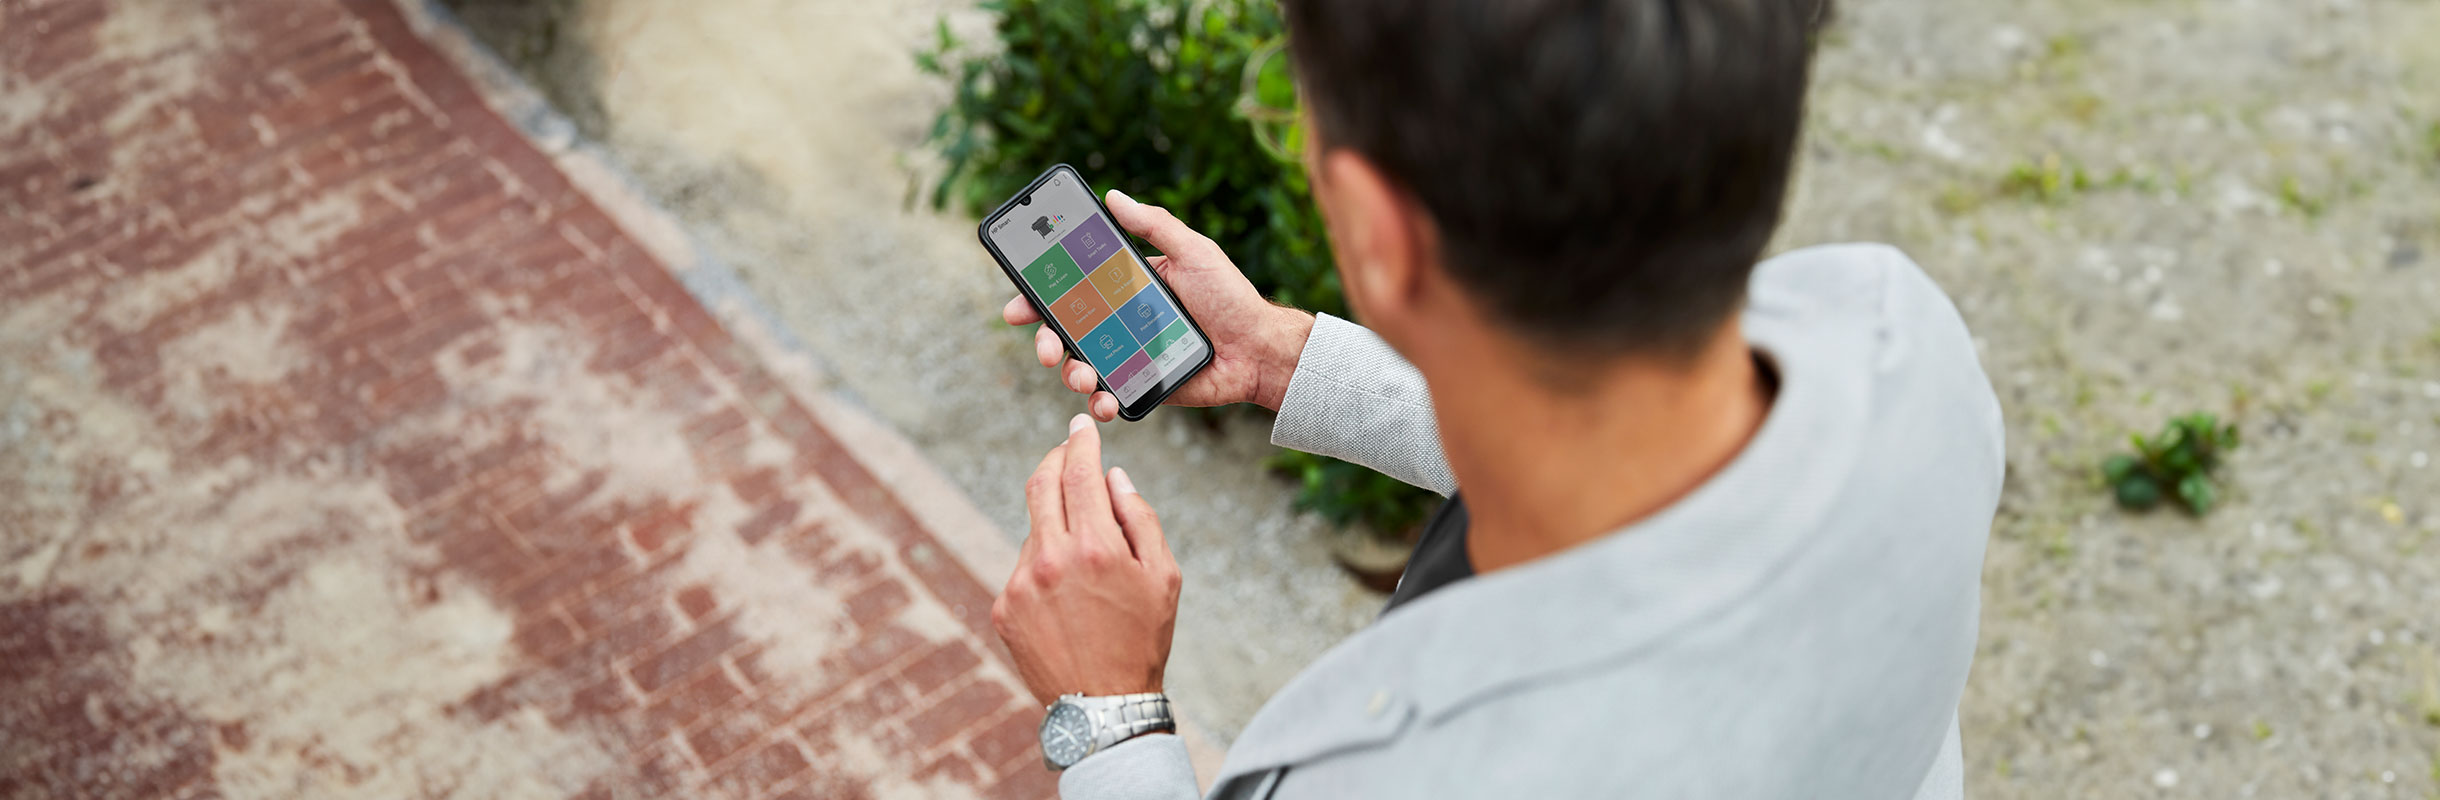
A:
(2138, 492)
(2197, 492)
(2118, 467)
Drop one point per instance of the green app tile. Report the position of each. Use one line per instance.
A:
(1052, 274)
(1168, 336)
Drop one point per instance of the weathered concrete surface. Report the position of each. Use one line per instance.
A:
(348, 450)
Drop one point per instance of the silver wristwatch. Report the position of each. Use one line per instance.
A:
(1079, 726)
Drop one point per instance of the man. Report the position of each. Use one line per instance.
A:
(1716, 527)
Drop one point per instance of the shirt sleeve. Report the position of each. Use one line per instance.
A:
(1354, 398)
(1149, 767)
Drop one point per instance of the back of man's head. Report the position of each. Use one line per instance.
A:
(1602, 173)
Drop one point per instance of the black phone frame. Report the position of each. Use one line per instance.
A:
(1151, 400)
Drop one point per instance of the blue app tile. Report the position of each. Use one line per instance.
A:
(1107, 345)
(1147, 314)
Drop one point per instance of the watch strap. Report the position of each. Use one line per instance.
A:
(1118, 718)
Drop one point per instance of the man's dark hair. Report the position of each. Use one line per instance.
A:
(1603, 173)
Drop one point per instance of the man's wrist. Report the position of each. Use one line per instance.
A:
(1283, 345)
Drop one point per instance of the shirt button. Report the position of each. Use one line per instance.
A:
(1380, 703)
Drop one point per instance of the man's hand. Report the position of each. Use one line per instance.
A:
(1095, 595)
(1254, 343)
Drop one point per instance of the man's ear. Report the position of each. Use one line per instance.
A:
(1380, 236)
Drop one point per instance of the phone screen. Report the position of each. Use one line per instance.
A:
(1097, 290)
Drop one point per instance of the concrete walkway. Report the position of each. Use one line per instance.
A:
(349, 449)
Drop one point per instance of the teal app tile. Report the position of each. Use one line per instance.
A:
(1107, 345)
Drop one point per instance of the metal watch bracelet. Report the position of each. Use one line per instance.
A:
(1128, 716)
(1109, 719)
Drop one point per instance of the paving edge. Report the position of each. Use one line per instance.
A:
(943, 510)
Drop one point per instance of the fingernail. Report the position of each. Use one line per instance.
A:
(1078, 424)
(1117, 196)
(1119, 482)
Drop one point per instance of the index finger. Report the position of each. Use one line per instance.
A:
(1087, 493)
(1019, 312)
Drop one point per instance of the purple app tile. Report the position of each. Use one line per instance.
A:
(1132, 378)
(1091, 242)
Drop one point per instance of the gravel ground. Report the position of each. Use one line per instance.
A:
(2257, 233)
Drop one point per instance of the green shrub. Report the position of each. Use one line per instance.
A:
(2177, 463)
(1184, 104)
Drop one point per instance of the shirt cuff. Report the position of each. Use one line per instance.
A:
(1148, 767)
(1354, 398)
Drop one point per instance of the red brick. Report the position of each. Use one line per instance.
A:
(715, 426)
(601, 698)
(877, 603)
(697, 602)
(645, 631)
(768, 521)
(951, 768)
(650, 533)
(758, 488)
(847, 567)
(762, 769)
(861, 712)
(663, 770)
(707, 692)
(1008, 743)
(944, 664)
(610, 602)
(567, 575)
(1025, 784)
(544, 636)
(722, 735)
(877, 649)
(961, 711)
(698, 651)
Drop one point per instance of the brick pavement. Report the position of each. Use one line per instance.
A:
(348, 450)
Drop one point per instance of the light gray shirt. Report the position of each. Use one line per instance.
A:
(1799, 626)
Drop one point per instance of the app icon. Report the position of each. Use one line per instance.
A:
(1042, 225)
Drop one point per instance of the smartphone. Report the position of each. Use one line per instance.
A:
(1057, 243)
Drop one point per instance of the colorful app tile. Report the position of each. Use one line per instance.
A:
(1133, 378)
(1160, 343)
(1120, 277)
(1052, 274)
(1091, 242)
(1081, 309)
(1107, 345)
(1182, 350)
(1147, 314)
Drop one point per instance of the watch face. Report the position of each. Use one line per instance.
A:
(1066, 735)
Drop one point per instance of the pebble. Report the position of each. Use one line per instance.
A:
(2166, 778)
(2099, 659)
(2202, 730)
(2418, 459)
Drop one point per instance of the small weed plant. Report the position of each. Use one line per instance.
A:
(2175, 464)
